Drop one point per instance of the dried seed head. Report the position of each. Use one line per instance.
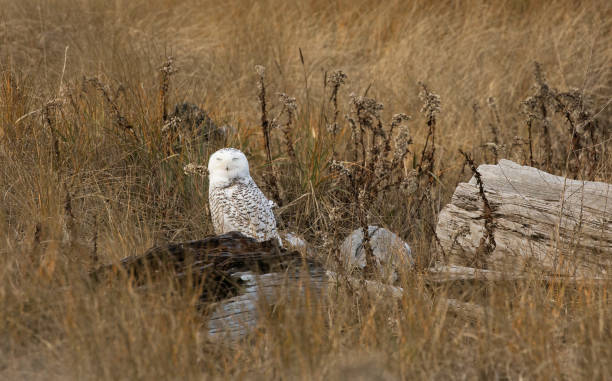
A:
(397, 119)
(368, 105)
(260, 70)
(172, 124)
(401, 143)
(168, 67)
(491, 102)
(410, 182)
(333, 213)
(336, 78)
(431, 102)
(274, 124)
(193, 169)
(340, 167)
(289, 102)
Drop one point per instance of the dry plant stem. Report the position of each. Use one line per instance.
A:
(336, 80)
(431, 107)
(547, 138)
(423, 209)
(94, 250)
(70, 220)
(265, 124)
(50, 121)
(37, 236)
(265, 127)
(305, 81)
(487, 242)
(119, 119)
(494, 126)
(370, 266)
(288, 139)
(289, 108)
(530, 137)
(166, 71)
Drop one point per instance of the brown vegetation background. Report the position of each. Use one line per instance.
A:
(88, 176)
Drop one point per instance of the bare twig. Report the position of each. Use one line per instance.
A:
(487, 242)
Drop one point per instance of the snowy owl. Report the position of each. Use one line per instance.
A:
(236, 202)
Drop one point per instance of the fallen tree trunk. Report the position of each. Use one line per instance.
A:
(539, 221)
(454, 273)
(237, 316)
(238, 276)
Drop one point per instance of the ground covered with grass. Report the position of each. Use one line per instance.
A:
(365, 106)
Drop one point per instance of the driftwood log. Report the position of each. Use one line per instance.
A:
(237, 276)
(537, 220)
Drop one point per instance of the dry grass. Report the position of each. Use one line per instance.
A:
(89, 176)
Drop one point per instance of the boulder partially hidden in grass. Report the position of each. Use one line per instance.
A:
(294, 241)
(390, 251)
(189, 122)
(531, 220)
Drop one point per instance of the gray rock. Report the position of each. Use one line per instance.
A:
(190, 122)
(291, 239)
(390, 251)
(194, 119)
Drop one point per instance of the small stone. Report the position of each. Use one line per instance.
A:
(390, 251)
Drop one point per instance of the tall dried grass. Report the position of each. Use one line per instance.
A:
(86, 176)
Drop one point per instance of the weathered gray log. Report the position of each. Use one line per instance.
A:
(540, 221)
(237, 276)
(235, 317)
(454, 273)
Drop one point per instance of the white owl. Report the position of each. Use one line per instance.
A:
(236, 202)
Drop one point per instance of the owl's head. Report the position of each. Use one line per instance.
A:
(227, 164)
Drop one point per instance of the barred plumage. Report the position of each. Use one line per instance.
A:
(236, 203)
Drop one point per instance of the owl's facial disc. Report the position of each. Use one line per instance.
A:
(227, 164)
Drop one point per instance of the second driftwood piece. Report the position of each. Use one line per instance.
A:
(539, 221)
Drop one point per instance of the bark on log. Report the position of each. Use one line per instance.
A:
(239, 277)
(540, 221)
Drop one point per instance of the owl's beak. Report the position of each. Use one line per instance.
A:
(227, 169)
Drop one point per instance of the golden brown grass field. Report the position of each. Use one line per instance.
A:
(89, 175)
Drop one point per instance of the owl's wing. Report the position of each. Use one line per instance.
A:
(261, 218)
(244, 208)
(226, 214)
(272, 204)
